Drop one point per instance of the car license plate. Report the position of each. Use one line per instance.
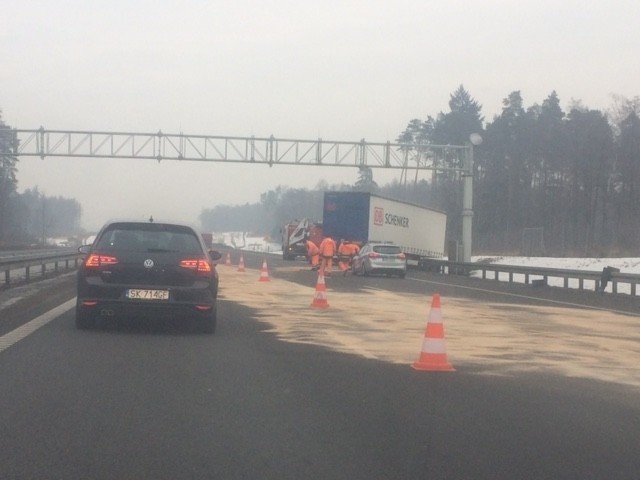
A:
(146, 294)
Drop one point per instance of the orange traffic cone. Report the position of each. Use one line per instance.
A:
(320, 296)
(434, 353)
(241, 264)
(227, 261)
(264, 273)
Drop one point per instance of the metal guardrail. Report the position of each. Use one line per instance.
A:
(22, 265)
(20, 268)
(597, 281)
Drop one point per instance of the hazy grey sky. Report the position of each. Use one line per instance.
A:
(338, 70)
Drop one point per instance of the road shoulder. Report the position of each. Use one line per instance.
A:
(20, 304)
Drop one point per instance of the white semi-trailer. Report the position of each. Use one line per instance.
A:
(363, 217)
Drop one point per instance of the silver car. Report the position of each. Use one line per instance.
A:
(379, 257)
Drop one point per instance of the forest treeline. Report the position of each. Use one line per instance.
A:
(30, 217)
(546, 181)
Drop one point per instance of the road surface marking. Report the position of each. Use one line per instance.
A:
(28, 328)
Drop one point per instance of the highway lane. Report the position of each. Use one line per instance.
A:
(149, 401)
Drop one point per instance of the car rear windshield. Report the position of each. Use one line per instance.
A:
(387, 249)
(149, 238)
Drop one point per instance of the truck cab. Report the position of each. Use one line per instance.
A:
(294, 236)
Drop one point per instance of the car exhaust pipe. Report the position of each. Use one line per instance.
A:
(106, 313)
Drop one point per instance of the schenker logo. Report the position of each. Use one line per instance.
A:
(380, 218)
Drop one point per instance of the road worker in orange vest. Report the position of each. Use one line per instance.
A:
(327, 249)
(313, 253)
(343, 256)
(346, 251)
(353, 249)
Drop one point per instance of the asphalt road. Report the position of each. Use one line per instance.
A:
(159, 402)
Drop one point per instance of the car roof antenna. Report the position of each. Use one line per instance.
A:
(151, 219)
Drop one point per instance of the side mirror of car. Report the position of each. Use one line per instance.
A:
(84, 248)
(215, 255)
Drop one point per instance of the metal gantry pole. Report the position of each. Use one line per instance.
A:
(467, 204)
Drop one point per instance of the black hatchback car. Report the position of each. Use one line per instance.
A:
(148, 269)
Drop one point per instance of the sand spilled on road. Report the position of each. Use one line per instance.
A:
(495, 338)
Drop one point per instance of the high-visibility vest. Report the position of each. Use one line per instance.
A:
(327, 247)
(312, 248)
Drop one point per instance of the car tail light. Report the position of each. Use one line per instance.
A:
(197, 264)
(373, 254)
(98, 260)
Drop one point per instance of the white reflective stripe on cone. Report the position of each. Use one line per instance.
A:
(433, 345)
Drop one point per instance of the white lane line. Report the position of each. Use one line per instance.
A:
(28, 328)
(558, 302)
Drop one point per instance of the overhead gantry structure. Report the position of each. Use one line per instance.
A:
(162, 146)
(208, 148)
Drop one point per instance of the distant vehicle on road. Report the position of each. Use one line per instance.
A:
(147, 269)
(361, 217)
(380, 258)
(295, 235)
